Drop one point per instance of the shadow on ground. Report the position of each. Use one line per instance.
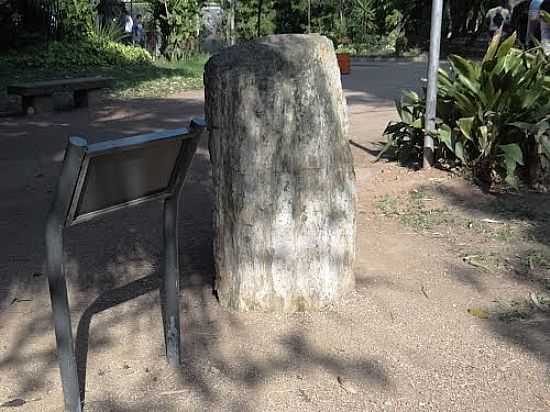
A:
(526, 255)
(114, 262)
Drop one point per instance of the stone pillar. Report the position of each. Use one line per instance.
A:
(282, 168)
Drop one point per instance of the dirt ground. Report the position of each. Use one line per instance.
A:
(442, 318)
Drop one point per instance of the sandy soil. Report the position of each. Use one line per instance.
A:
(405, 340)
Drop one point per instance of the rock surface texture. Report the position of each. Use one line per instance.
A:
(282, 168)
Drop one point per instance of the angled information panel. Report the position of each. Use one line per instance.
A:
(124, 172)
(104, 177)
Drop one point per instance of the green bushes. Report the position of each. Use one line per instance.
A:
(80, 54)
(373, 46)
(493, 117)
(77, 18)
(179, 22)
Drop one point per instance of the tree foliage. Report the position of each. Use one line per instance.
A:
(395, 23)
(179, 24)
(246, 18)
(359, 21)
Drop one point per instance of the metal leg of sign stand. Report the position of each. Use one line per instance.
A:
(64, 341)
(56, 274)
(170, 282)
(69, 191)
(169, 290)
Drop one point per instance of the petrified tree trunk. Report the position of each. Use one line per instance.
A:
(283, 175)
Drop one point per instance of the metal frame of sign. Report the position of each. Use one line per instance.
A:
(70, 189)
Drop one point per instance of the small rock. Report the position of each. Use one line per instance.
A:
(347, 385)
(214, 370)
(304, 395)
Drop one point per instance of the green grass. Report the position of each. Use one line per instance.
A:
(509, 310)
(420, 211)
(160, 79)
(155, 80)
(388, 205)
(415, 211)
(536, 259)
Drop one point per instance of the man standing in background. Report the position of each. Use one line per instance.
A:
(533, 25)
(127, 26)
(138, 33)
(545, 28)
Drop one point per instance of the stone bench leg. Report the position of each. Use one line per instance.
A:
(86, 98)
(81, 98)
(37, 104)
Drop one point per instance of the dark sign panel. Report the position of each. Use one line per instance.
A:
(124, 176)
(126, 172)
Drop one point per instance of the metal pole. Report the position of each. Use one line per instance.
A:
(170, 282)
(431, 95)
(232, 6)
(308, 16)
(56, 275)
(341, 14)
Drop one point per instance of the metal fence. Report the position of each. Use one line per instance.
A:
(27, 22)
(42, 16)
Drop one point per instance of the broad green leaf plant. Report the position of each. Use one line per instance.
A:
(491, 115)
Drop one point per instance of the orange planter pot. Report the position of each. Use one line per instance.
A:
(344, 62)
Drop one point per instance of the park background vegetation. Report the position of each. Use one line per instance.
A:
(492, 115)
(362, 27)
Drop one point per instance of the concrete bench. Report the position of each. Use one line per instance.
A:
(38, 96)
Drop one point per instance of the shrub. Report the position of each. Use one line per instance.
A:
(108, 31)
(81, 54)
(179, 23)
(491, 117)
(77, 18)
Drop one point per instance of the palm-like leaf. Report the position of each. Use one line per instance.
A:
(489, 113)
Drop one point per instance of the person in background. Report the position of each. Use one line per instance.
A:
(545, 28)
(138, 33)
(127, 25)
(533, 25)
(520, 19)
(498, 19)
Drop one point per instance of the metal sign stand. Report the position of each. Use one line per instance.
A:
(71, 191)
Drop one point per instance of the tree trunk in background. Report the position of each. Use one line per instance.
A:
(284, 214)
(231, 25)
(259, 23)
